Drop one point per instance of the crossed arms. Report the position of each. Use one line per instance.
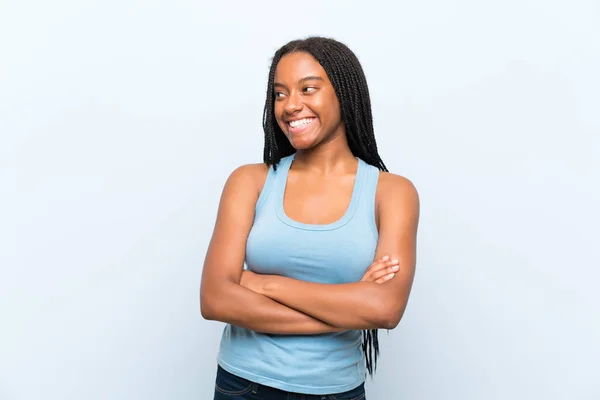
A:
(281, 305)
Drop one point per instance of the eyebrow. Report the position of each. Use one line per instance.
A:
(306, 78)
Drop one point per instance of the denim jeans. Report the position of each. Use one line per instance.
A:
(232, 387)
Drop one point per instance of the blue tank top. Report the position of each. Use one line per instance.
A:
(338, 252)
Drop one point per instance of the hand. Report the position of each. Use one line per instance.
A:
(251, 280)
(382, 270)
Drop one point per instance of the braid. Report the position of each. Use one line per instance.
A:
(350, 84)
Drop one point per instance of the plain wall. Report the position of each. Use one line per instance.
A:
(121, 120)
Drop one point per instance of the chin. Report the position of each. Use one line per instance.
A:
(302, 144)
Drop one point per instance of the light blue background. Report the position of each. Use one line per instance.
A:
(120, 121)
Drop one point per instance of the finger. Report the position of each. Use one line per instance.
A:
(379, 267)
(392, 269)
(378, 262)
(380, 270)
(378, 273)
(385, 278)
(375, 265)
(383, 265)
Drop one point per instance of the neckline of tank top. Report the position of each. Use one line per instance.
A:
(350, 210)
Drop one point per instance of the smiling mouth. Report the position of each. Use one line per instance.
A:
(300, 125)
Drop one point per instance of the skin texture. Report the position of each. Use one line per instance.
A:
(302, 89)
(318, 191)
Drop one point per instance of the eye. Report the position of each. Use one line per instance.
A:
(279, 95)
(310, 89)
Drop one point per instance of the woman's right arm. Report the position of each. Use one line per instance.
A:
(222, 298)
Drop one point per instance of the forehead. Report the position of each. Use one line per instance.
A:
(295, 66)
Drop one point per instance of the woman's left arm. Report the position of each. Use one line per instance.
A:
(361, 305)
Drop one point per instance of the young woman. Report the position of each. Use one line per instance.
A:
(327, 234)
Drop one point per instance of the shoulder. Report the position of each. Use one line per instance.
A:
(250, 172)
(395, 192)
(247, 178)
(392, 184)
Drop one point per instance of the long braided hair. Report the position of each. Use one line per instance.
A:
(350, 85)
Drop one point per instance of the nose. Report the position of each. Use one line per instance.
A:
(293, 103)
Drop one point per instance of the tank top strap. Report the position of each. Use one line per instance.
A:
(281, 174)
(369, 191)
(272, 183)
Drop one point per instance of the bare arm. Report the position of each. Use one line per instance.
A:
(363, 305)
(221, 296)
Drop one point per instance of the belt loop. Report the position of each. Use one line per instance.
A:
(254, 388)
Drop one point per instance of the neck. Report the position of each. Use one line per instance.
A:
(330, 157)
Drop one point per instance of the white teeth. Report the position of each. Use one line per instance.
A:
(300, 122)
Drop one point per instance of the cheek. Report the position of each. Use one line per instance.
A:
(277, 111)
(331, 108)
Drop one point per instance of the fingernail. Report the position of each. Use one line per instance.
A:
(395, 261)
(395, 268)
(385, 258)
(390, 276)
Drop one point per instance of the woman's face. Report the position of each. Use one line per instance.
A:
(306, 107)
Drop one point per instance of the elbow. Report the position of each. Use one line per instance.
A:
(206, 312)
(387, 307)
(389, 320)
(208, 307)
(214, 304)
(387, 314)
